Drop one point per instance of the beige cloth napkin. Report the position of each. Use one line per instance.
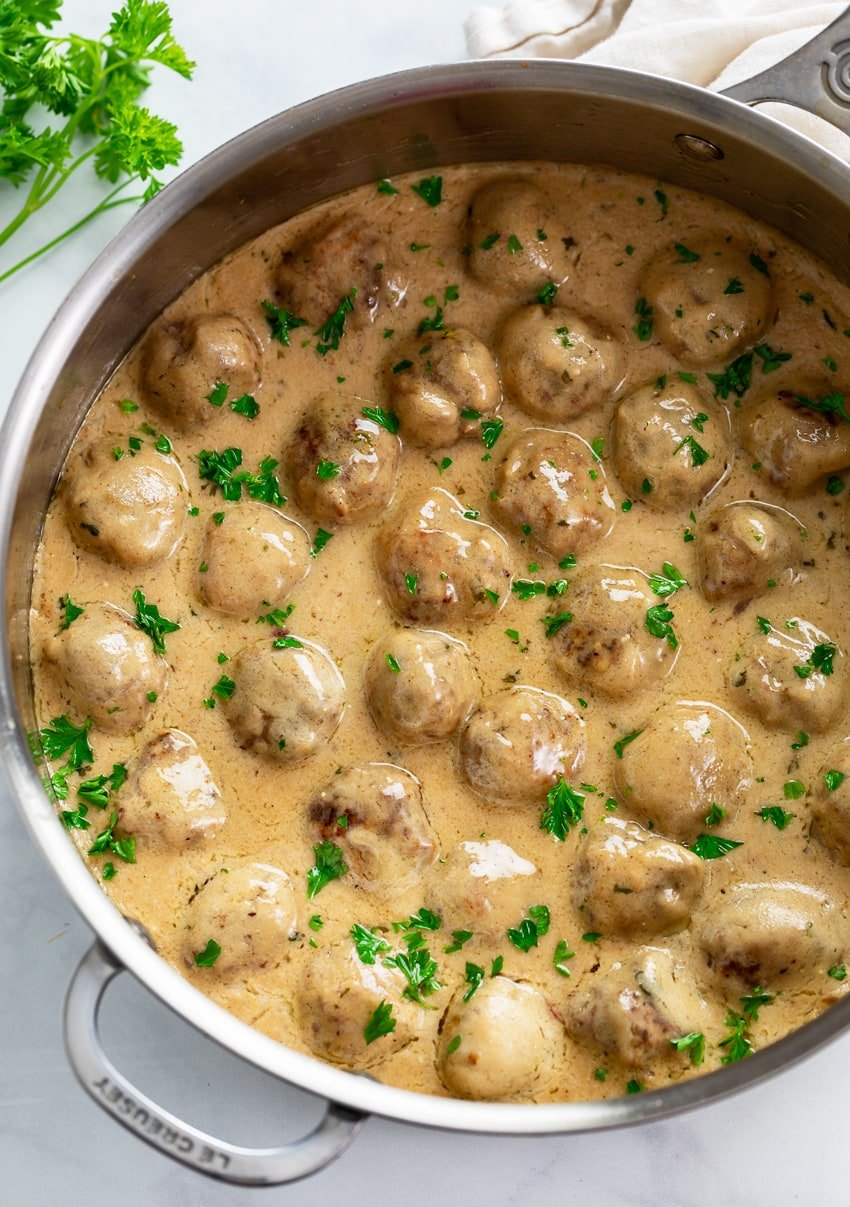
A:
(714, 43)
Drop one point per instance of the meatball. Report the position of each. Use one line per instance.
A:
(515, 240)
(689, 756)
(551, 483)
(334, 258)
(791, 677)
(452, 383)
(338, 995)
(518, 742)
(127, 507)
(182, 363)
(632, 883)
(771, 935)
(171, 800)
(794, 445)
(556, 364)
(375, 814)
(439, 566)
(670, 445)
(510, 1042)
(709, 300)
(636, 1006)
(342, 464)
(106, 669)
(420, 685)
(483, 887)
(254, 556)
(743, 545)
(249, 910)
(605, 642)
(288, 699)
(830, 803)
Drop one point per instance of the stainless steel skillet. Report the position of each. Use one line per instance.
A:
(415, 120)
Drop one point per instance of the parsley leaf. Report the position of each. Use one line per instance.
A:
(330, 865)
(694, 1044)
(124, 848)
(658, 624)
(430, 190)
(148, 619)
(386, 419)
(531, 929)
(668, 582)
(713, 846)
(564, 808)
(368, 944)
(71, 612)
(819, 660)
(474, 977)
(621, 743)
(459, 938)
(777, 815)
(737, 1043)
(699, 455)
(207, 957)
(281, 322)
(380, 1023)
(333, 328)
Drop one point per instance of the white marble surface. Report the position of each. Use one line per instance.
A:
(779, 1144)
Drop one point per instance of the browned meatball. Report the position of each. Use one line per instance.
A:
(127, 506)
(375, 814)
(483, 886)
(342, 464)
(106, 669)
(794, 445)
(440, 567)
(689, 756)
(830, 803)
(338, 995)
(708, 298)
(551, 483)
(420, 685)
(451, 383)
(518, 742)
(171, 800)
(249, 910)
(510, 1042)
(252, 558)
(744, 545)
(605, 642)
(630, 882)
(181, 364)
(516, 238)
(333, 258)
(670, 445)
(791, 677)
(772, 935)
(287, 701)
(633, 1008)
(556, 364)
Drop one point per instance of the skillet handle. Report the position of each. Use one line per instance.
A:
(186, 1144)
(816, 77)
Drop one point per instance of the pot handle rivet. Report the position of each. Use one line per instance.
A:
(164, 1131)
(698, 148)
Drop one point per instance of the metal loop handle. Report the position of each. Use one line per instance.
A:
(816, 77)
(164, 1131)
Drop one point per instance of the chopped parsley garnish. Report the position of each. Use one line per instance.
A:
(715, 815)
(402, 365)
(220, 469)
(277, 616)
(224, 688)
(109, 871)
(801, 742)
(827, 404)
(330, 865)
(207, 957)
(834, 485)
(491, 430)
(63, 737)
(218, 394)
(453, 1044)
(246, 405)
(833, 779)
(459, 937)
(96, 791)
(327, 470)
(489, 240)
(737, 1042)
(819, 660)
(751, 1003)
(124, 848)
(591, 936)
(425, 919)
(288, 642)
(368, 944)
(149, 620)
(316, 922)
(128, 406)
(393, 663)
(527, 588)
(75, 819)
(385, 419)
(281, 322)
(838, 972)
(643, 327)
(562, 954)
(553, 624)
(333, 328)
(381, 1022)
(564, 808)
(668, 582)
(474, 977)
(621, 743)
(699, 455)
(759, 264)
(734, 286)
(430, 190)
(633, 1086)
(497, 966)
(546, 293)
(658, 624)
(735, 379)
(661, 198)
(777, 815)
(713, 846)
(163, 445)
(445, 463)
(793, 789)
(770, 359)
(531, 929)
(319, 541)
(70, 612)
(418, 967)
(764, 624)
(694, 1044)
(686, 256)
(384, 186)
(410, 582)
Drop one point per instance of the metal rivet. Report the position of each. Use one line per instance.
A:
(697, 148)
